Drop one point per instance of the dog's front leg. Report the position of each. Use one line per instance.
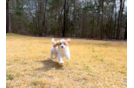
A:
(60, 59)
(67, 56)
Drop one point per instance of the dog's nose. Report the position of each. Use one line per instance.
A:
(61, 46)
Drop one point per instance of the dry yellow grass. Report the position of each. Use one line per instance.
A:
(93, 64)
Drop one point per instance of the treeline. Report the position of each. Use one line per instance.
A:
(99, 19)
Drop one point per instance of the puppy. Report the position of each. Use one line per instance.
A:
(60, 49)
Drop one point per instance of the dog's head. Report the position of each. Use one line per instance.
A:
(62, 44)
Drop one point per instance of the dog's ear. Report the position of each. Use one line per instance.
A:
(68, 40)
(56, 44)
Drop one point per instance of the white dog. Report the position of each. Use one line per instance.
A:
(60, 49)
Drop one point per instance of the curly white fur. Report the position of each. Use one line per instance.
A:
(60, 49)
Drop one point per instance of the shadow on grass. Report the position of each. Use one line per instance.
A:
(48, 64)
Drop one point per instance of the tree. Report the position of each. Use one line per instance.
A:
(64, 24)
(120, 18)
(97, 19)
(102, 20)
(7, 17)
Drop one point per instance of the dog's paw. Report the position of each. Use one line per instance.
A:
(61, 62)
(52, 59)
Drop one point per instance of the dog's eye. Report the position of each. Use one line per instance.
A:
(59, 43)
(64, 43)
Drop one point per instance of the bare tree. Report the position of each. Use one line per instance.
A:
(75, 18)
(102, 20)
(64, 24)
(7, 17)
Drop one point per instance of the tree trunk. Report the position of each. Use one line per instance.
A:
(120, 19)
(74, 29)
(7, 17)
(64, 25)
(83, 26)
(114, 33)
(45, 17)
(92, 30)
(102, 20)
(125, 35)
(110, 27)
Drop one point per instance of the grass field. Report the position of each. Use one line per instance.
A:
(93, 64)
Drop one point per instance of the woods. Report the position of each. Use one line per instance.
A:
(97, 19)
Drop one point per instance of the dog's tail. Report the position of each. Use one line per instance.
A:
(53, 41)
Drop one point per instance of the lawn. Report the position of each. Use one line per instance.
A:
(93, 64)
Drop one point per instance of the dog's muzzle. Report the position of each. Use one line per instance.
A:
(61, 46)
